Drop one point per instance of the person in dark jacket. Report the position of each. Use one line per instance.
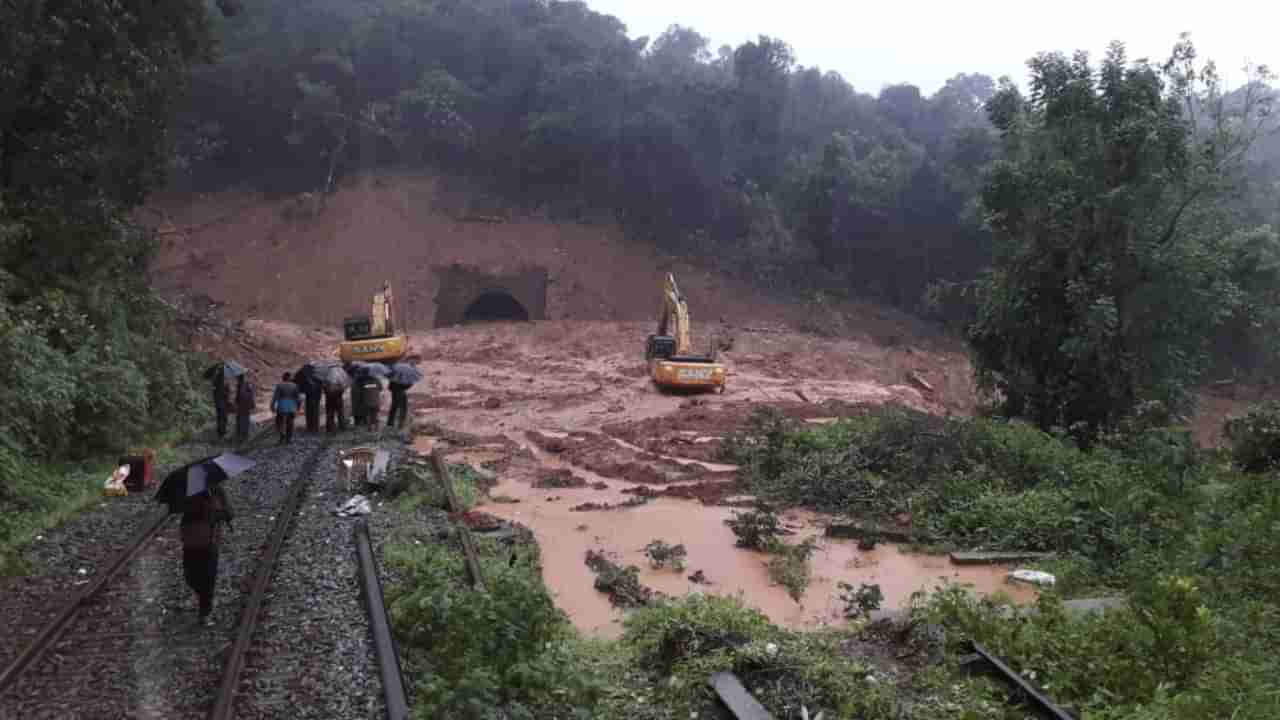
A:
(220, 402)
(309, 386)
(399, 405)
(201, 531)
(244, 406)
(333, 409)
(284, 403)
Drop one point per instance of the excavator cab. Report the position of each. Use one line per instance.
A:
(660, 347)
(358, 327)
(373, 337)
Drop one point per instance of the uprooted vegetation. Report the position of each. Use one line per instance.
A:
(621, 584)
(1185, 538)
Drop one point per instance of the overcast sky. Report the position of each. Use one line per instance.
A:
(873, 44)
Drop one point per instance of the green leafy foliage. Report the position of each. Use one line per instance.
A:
(621, 584)
(789, 566)
(684, 642)
(474, 653)
(417, 484)
(661, 554)
(552, 106)
(862, 601)
(1255, 438)
(89, 362)
(1114, 260)
(755, 529)
(978, 482)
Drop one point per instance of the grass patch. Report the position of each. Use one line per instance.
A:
(415, 484)
(36, 497)
(682, 643)
(471, 653)
(1188, 540)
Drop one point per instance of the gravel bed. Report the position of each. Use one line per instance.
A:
(136, 650)
(313, 654)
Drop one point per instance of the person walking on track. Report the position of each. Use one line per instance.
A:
(201, 531)
(244, 406)
(284, 403)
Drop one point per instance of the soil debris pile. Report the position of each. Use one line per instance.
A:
(621, 584)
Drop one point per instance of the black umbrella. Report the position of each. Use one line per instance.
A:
(197, 477)
(229, 369)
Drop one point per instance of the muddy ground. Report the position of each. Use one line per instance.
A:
(584, 450)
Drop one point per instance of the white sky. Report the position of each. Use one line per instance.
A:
(878, 43)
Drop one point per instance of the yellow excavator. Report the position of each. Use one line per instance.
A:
(373, 338)
(672, 363)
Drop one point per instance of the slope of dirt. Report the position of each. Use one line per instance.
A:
(265, 258)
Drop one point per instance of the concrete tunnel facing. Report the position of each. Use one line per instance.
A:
(468, 294)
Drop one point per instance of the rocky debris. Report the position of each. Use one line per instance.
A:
(915, 378)
(560, 478)
(699, 578)
(593, 506)
(203, 327)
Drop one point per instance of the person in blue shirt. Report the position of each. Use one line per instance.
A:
(284, 403)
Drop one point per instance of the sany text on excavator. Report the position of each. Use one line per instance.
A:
(672, 364)
(373, 338)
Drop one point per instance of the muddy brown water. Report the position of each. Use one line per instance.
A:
(564, 537)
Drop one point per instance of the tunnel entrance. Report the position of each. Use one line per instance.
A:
(469, 294)
(495, 306)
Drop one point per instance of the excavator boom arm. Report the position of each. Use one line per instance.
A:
(674, 319)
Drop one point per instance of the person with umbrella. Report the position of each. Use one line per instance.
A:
(403, 376)
(309, 386)
(196, 491)
(335, 381)
(366, 393)
(218, 375)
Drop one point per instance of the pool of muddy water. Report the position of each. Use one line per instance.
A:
(564, 537)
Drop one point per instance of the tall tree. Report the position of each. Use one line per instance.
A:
(1114, 256)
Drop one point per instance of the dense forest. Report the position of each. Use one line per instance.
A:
(739, 151)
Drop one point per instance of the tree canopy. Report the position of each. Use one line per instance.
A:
(1117, 254)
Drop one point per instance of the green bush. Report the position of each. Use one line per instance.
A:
(1255, 438)
(684, 642)
(755, 529)
(473, 653)
(1166, 641)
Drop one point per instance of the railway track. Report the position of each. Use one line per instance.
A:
(125, 643)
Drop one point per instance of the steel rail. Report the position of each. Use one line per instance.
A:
(222, 705)
(384, 642)
(54, 629)
(983, 660)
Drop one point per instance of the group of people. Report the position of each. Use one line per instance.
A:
(304, 391)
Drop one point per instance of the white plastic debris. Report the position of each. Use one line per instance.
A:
(1033, 577)
(115, 483)
(358, 505)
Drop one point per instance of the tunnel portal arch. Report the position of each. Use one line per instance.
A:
(495, 306)
(468, 294)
